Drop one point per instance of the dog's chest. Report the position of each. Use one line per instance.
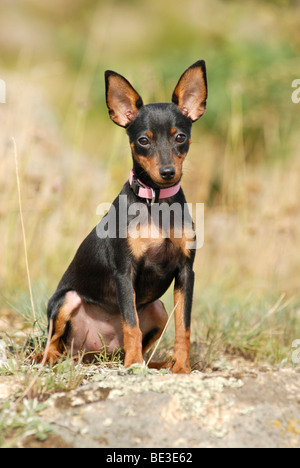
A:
(159, 247)
(157, 255)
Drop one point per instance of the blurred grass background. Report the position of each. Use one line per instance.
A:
(243, 164)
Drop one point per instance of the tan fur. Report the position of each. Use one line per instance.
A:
(139, 246)
(181, 363)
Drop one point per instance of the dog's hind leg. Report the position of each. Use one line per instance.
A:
(70, 304)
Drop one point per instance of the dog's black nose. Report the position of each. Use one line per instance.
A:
(167, 172)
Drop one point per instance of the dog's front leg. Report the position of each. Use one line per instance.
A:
(132, 334)
(183, 297)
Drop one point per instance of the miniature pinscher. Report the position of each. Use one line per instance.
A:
(109, 295)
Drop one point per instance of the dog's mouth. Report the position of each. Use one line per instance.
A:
(167, 179)
(167, 184)
(160, 177)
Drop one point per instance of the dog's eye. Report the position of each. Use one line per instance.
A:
(143, 141)
(180, 138)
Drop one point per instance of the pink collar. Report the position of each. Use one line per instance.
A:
(142, 191)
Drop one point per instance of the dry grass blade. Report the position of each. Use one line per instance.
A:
(160, 338)
(276, 308)
(27, 390)
(23, 230)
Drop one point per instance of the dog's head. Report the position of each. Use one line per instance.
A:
(159, 133)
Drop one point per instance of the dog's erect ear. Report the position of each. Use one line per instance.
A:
(190, 93)
(122, 100)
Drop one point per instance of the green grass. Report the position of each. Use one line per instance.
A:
(22, 419)
(259, 330)
(225, 327)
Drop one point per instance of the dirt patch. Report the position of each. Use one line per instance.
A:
(232, 408)
(51, 442)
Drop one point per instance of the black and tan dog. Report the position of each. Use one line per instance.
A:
(110, 292)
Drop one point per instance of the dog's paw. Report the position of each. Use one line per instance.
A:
(179, 367)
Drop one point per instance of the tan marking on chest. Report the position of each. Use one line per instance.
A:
(184, 240)
(139, 245)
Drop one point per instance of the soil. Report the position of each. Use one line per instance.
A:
(242, 407)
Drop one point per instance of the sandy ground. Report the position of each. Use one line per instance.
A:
(241, 407)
